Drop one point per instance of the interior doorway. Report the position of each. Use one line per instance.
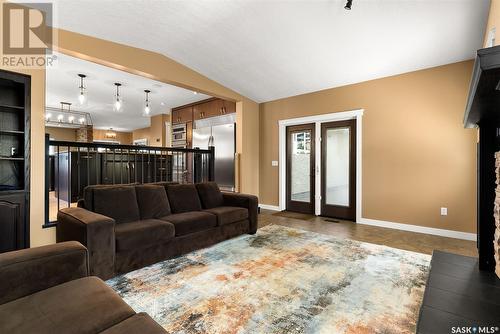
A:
(338, 165)
(300, 140)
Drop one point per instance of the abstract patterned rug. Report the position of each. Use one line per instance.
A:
(282, 280)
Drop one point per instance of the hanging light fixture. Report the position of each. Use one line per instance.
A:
(118, 101)
(348, 5)
(65, 117)
(82, 97)
(147, 104)
(110, 134)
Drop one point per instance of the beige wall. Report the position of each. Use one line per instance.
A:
(493, 22)
(155, 134)
(125, 138)
(61, 133)
(247, 146)
(416, 155)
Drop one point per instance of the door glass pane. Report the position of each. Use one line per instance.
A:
(337, 166)
(301, 166)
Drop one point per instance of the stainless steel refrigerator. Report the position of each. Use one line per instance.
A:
(224, 142)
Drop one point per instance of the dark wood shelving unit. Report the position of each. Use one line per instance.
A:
(15, 91)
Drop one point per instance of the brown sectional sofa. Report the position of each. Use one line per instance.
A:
(47, 290)
(126, 227)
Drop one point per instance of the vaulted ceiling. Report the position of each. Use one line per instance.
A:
(267, 50)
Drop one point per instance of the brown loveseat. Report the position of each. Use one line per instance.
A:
(126, 227)
(47, 290)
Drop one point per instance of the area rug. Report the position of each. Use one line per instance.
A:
(282, 280)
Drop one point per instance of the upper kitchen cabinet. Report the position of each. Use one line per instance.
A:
(182, 115)
(213, 108)
(207, 109)
(229, 107)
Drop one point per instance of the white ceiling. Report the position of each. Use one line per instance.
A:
(63, 83)
(267, 50)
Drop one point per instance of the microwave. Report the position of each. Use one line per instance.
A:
(178, 133)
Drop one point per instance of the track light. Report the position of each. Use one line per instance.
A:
(348, 5)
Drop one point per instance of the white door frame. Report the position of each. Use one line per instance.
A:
(318, 120)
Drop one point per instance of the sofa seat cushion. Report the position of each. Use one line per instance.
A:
(152, 200)
(228, 214)
(119, 203)
(138, 324)
(183, 198)
(142, 234)
(85, 305)
(191, 222)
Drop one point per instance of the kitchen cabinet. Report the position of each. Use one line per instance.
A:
(182, 115)
(213, 108)
(229, 107)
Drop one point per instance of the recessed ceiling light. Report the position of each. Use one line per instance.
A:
(162, 103)
(195, 92)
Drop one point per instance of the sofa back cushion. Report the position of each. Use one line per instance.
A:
(88, 194)
(210, 195)
(183, 198)
(117, 202)
(152, 201)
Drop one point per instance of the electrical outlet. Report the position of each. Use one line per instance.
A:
(274, 163)
(444, 211)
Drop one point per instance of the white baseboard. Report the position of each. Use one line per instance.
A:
(419, 229)
(269, 207)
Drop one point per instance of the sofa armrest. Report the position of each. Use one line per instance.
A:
(27, 271)
(249, 202)
(94, 231)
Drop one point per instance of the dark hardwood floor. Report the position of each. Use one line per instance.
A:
(417, 242)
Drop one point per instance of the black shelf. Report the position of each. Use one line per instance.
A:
(11, 132)
(11, 107)
(12, 158)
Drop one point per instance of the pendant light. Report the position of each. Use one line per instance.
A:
(146, 112)
(117, 101)
(82, 97)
